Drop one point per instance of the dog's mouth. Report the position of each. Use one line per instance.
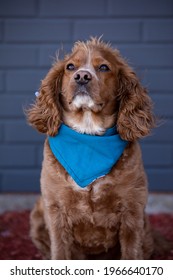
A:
(82, 90)
(85, 102)
(82, 99)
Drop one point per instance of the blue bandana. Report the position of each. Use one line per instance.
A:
(86, 157)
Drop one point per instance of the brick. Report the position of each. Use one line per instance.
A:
(17, 8)
(157, 155)
(160, 179)
(1, 81)
(24, 80)
(75, 8)
(159, 80)
(20, 131)
(113, 30)
(140, 8)
(12, 55)
(158, 30)
(39, 156)
(47, 54)
(21, 180)
(148, 55)
(17, 155)
(37, 30)
(163, 104)
(1, 132)
(13, 106)
(162, 133)
(1, 30)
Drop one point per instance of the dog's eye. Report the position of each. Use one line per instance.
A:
(103, 68)
(70, 66)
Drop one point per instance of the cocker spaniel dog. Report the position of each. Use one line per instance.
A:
(93, 109)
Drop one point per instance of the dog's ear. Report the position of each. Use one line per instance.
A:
(135, 118)
(45, 113)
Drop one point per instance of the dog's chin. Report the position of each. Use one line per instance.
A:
(86, 102)
(82, 100)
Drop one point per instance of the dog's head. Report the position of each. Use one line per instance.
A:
(91, 90)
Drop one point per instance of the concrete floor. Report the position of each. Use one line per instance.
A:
(160, 203)
(157, 203)
(18, 202)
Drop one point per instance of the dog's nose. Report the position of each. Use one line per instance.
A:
(82, 77)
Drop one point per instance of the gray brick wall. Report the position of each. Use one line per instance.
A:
(32, 31)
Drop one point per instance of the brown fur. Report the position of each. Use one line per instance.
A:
(105, 220)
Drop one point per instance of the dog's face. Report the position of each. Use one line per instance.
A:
(90, 79)
(90, 90)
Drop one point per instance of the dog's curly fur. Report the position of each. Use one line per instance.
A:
(91, 90)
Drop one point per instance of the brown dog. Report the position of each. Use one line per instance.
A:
(92, 90)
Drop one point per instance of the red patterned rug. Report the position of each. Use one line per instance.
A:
(15, 243)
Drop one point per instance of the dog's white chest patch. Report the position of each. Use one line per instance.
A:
(87, 125)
